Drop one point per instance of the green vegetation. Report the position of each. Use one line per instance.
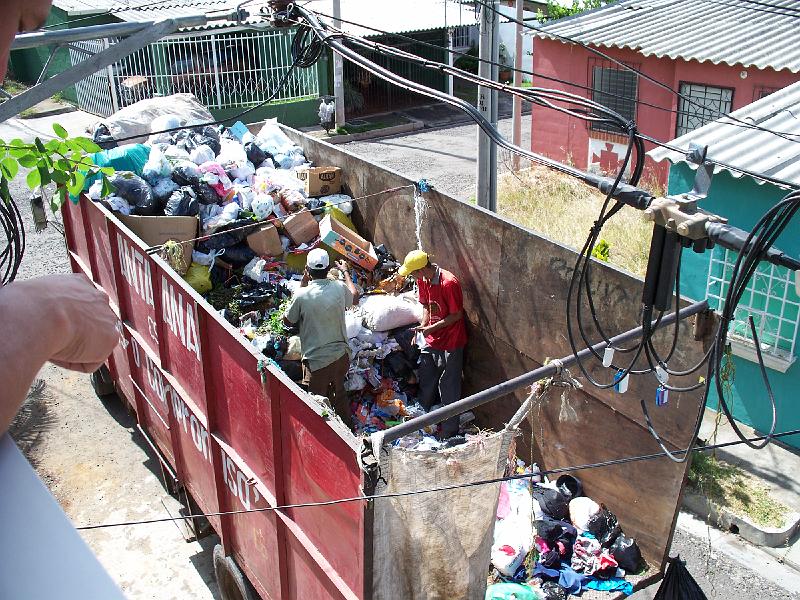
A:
(728, 486)
(602, 251)
(556, 11)
(564, 209)
(469, 61)
(14, 87)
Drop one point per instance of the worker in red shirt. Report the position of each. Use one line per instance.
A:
(444, 331)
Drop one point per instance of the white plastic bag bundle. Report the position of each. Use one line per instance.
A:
(177, 154)
(353, 323)
(513, 534)
(341, 201)
(202, 154)
(138, 120)
(255, 269)
(262, 206)
(272, 139)
(291, 159)
(229, 213)
(232, 152)
(162, 124)
(157, 166)
(384, 312)
(95, 191)
(294, 351)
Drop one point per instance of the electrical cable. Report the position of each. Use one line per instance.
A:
(14, 232)
(444, 488)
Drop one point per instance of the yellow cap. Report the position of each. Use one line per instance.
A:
(415, 260)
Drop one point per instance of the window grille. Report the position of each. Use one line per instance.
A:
(770, 297)
(614, 87)
(707, 104)
(762, 91)
(461, 37)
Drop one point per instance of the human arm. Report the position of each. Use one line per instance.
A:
(446, 322)
(63, 319)
(348, 280)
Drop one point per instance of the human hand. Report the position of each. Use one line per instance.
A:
(84, 326)
(343, 266)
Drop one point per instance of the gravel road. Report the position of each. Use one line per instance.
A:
(99, 468)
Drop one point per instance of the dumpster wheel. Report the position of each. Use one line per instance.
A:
(233, 585)
(102, 383)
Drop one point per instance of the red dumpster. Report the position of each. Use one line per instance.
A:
(240, 435)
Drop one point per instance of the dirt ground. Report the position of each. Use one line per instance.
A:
(100, 469)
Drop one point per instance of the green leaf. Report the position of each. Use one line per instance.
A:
(19, 152)
(52, 145)
(108, 170)
(86, 144)
(34, 179)
(107, 188)
(40, 146)
(60, 131)
(5, 194)
(76, 186)
(63, 164)
(59, 177)
(18, 143)
(28, 160)
(44, 175)
(10, 167)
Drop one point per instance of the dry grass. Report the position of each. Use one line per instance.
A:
(729, 486)
(562, 208)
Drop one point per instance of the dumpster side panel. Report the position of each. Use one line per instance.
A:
(103, 259)
(137, 299)
(320, 466)
(515, 286)
(76, 232)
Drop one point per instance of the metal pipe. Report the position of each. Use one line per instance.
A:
(502, 389)
(92, 32)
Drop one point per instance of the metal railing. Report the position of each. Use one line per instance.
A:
(223, 69)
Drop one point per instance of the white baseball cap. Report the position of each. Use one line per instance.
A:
(318, 259)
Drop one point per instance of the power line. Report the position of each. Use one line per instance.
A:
(444, 488)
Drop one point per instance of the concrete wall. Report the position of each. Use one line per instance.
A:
(567, 139)
(743, 201)
(515, 285)
(508, 34)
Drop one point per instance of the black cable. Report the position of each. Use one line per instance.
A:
(445, 488)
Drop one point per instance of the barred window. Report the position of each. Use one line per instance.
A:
(700, 104)
(615, 87)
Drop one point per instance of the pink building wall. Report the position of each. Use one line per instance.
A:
(566, 138)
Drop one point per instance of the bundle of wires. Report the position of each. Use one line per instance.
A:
(14, 231)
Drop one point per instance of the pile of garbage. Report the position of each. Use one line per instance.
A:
(253, 207)
(551, 541)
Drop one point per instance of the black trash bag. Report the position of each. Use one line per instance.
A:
(238, 255)
(231, 234)
(205, 193)
(551, 559)
(316, 206)
(626, 552)
(551, 530)
(405, 337)
(604, 526)
(293, 368)
(182, 203)
(399, 365)
(552, 591)
(207, 135)
(552, 502)
(570, 486)
(103, 138)
(186, 173)
(678, 583)
(255, 154)
(137, 192)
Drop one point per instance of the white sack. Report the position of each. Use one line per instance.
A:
(383, 312)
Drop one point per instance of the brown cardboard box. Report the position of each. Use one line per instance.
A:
(321, 181)
(266, 241)
(154, 231)
(301, 227)
(347, 243)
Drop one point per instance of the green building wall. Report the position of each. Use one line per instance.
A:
(743, 201)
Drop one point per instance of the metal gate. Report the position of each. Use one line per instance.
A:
(95, 94)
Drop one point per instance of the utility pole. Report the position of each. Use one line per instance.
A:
(516, 115)
(338, 70)
(488, 50)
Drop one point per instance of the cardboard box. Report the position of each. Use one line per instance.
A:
(266, 241)
(321, 181)
(301, 227)
(154, 231)
(348, 243)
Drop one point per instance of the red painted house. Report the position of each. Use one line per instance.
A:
(719, 55)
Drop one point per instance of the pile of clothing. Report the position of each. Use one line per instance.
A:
(551, 541)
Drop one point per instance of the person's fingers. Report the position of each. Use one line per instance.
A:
(79, 367)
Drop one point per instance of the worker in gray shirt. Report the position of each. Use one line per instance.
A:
(318, 309)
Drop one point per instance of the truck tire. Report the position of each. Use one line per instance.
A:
(102, 383)
(233, 585)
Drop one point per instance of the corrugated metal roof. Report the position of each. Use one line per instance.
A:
(733, 32)
(411, 15)
(751, 149)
